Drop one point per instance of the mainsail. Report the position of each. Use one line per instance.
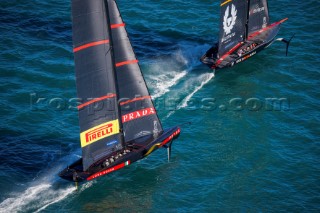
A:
(95, 78)
(233, 18)
(115, 104)
(138, 115)
(258, 15)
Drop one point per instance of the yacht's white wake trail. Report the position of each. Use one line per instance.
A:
(40, 194)
(35, 197)
(166, 73)
(165, 82)
(184, 103)
(163, 77)
(170, 71)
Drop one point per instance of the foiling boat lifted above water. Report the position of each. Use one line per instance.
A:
(118, 122)
(244, 31)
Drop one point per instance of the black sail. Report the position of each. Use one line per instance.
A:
(258, 15)
(233, 18)
(139, 117)
(95, 78)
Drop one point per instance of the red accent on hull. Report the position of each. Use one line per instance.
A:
(227, 54)
(164, 142)
(168, 139)
(120, 166)
(92, 44)
(107, 171)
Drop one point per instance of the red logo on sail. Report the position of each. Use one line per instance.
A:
(98, 133)
(138, 114)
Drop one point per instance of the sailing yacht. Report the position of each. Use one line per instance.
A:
(118, 121)
(244, 31)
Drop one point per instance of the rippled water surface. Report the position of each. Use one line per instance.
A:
(235, 156)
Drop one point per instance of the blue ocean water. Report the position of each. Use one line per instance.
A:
(253, 145)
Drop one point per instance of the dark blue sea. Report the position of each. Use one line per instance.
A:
(253, 144)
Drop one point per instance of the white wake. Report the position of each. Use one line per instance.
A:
(184, 103)
(41, 193)
(162, 78)
(35, 198)
(165, 82)
(166, 72)
(207, 77)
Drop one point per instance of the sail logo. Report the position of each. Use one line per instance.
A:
(138, 114)
(112, 143)
(229, 21)
(257, 9)
(155, 129)
(99, 132)
(246, 57)
(264, 22)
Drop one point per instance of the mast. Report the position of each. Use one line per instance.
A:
(114, 71)
(247, 21)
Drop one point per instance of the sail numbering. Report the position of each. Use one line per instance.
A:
(245, 30)
(125, 128)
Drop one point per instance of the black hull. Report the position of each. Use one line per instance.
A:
(232, 59)
(256, 42)
(135, 151)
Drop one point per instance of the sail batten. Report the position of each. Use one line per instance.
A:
(135, 99)
(113, 26)
(91, 44)
(126, 62)
(96, 100)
